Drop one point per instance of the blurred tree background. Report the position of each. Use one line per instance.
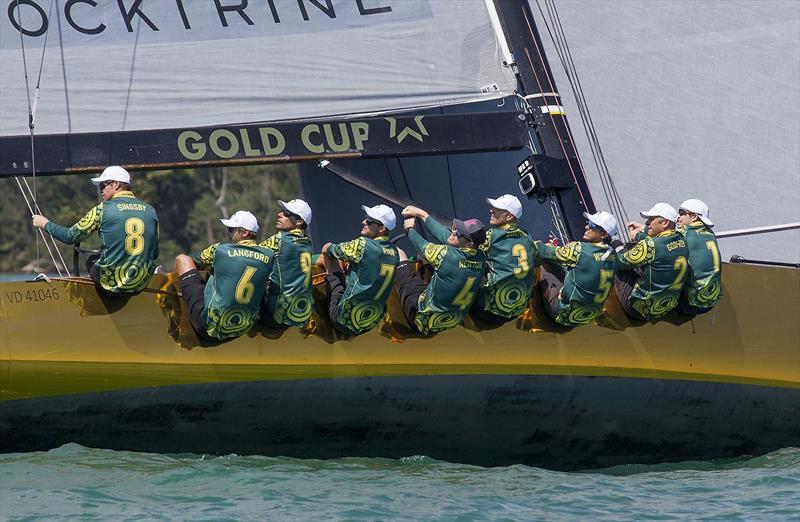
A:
(189, 204)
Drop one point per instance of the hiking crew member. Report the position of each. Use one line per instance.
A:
(228, 305)
(128, 235)
(511, 257)
(652, 272)
(357, 303)
(589, 266)
(703, 288)
(288, 300)
(458, 269)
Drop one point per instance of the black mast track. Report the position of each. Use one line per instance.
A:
(552, 130)
(391, 135)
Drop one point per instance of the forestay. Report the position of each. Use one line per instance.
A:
(124, 65)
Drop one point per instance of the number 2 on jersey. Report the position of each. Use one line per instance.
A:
(680, 266)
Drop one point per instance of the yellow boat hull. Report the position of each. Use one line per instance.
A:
(485, 395)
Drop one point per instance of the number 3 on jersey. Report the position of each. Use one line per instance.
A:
(521, 254)
(134, 236)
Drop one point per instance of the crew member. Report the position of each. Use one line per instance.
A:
(589, 266)
(288, 300)
(651, 274)
(228, 305)
(458, 269)
(128, 235)
(511, 256)
(357, 302)
(703, 288)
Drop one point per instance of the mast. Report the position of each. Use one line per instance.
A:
(556, 160)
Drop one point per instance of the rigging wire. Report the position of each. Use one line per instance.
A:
(55, 245)
(603, 182)
(31, 125)
(405, 180)
(41, 232)
(550, 114)
(450, 179)
(558, 37)
(617, 200)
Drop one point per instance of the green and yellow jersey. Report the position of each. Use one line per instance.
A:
(128, 241)
(589, 277)
(234, 291)
(511, 256)
(369, 280)
(288, 296)
(703, 287)
(664, 263)
(457, 276)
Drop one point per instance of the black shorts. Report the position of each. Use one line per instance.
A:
(264, 315)
(624, 283)
(488, 317)
(335, 284)
(409, 287)
(551, 281)
(193, 288)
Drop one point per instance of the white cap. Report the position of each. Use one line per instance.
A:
(242, 219)
(507, 202)
(381, 213)
(603, 219)
(299, 207)
(663, 210)
(695, 206)
(113, 173)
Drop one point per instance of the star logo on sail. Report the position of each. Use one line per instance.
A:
(408, 130)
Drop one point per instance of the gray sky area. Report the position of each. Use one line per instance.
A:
(693, 99)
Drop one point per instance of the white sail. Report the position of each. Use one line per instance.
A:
(155, 64)
(693, 99)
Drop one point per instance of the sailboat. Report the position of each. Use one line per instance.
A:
(444, 99)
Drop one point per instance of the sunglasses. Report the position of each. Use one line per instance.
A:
(104, 184)
(682, 212)
(369, 221)
(290, 215)
(454, 231)
(593, 226)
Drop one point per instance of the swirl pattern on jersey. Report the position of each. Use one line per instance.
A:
(232, 323)
(511, 297)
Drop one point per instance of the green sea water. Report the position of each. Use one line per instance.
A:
(74, 482)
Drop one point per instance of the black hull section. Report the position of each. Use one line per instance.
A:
(555, 422)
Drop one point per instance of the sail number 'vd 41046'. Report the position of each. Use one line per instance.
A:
(39, 295)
